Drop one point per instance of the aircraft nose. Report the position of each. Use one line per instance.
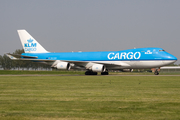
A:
(172, 57)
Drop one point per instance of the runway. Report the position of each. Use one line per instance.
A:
(87, 75)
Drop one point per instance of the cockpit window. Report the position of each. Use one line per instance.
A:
(161, 50)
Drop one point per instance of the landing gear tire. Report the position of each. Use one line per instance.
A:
(156, 72)
(104, 73)
(90, 73)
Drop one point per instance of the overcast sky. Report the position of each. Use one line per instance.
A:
(92, 25)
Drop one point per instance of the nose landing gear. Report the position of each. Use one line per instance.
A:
(156, 72)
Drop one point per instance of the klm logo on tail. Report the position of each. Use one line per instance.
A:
(30, 46)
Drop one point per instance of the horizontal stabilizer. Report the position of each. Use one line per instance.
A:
(16, 56)
(11, 56)
(29, 56)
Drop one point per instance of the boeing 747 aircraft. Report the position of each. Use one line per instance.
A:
(93, 62)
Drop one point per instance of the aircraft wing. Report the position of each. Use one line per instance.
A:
(88, 64)
(97, 62)
(85, 64)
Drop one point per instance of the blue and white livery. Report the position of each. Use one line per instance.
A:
(94, 62)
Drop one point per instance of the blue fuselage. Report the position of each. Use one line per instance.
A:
(139, 54)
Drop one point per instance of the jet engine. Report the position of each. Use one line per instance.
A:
(63, 66)
(98, 68)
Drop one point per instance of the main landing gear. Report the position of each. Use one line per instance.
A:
(105, 72)
(89, 72)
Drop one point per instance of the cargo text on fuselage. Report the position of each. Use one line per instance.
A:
(124, 55)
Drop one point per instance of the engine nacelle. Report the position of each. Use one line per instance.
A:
(98, 68)
(63, 66)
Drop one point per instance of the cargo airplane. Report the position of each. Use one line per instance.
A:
(93, 62)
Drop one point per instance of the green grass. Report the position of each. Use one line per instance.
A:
(90, 97)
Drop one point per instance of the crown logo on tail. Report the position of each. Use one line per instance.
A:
(30, 40)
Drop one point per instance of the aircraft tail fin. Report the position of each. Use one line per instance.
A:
(30, 45)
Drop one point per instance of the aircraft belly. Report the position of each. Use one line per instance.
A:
(141, 64)
(165, 62)
(148, 64)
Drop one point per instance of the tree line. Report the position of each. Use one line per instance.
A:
(7, 64)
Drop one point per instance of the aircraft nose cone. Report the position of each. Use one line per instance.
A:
(172, 57)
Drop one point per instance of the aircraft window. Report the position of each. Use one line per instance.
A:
(161, 50)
